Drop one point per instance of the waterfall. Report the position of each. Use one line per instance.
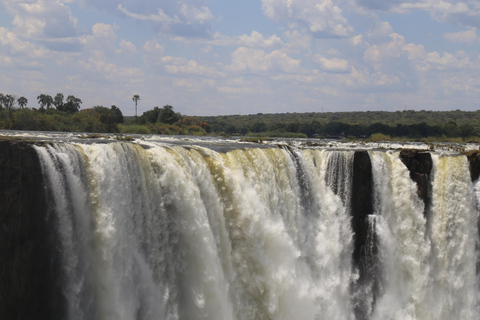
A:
(171, 232)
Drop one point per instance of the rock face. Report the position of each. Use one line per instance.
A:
(25, 272)
(474, 159)
(420, 164)
(365, 242)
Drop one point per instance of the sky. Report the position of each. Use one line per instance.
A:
(212, 57)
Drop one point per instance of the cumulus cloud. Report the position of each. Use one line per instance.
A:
(192, 13)
(256, 39)
(160, 16)
(126, 47)
(460, 12)
(386, 50)
(449, 62)
(16, 53)
(183, 66)
(333, 65)
(260, 62)
(42, 19)
(186, 19)
(152, 53)
(100, 69)
(468, 36)
(322, 18)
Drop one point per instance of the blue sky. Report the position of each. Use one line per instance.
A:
(211, 57)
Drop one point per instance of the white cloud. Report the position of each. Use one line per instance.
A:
(468, 36)
(193, 13)
(322, 18)
(100, 69)
(460, 12)
(297, 42)
(152, 53)
(334, 65)
(380, 33)
(415, 52)
(193, 85)
(182, 66)
(449, 62)
(386, 50)
(126, 47)
(16, 53)
(256, 39)
(42, 19)
(160, 16)
(259, 62)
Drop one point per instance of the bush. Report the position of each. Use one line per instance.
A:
(196, 131)
(133, 128)
(379, 137)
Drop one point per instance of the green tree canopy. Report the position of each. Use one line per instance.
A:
(44, 100)
(58, 101)
(167, 115)
(22, 101)
(72, 105)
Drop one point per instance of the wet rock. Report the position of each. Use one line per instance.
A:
(24, 251)
(474, 159)
(365, 251)
(420, 164)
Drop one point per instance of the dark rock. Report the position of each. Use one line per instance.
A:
(365, 249)
(420, 164)
(474, 159)
(24, 250)
(362, 204)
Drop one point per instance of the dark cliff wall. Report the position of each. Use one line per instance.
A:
(364, 240)
(420, 165)
(24, 255)
(474, 159)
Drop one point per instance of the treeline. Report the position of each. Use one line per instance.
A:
(406, 124)
(166, 121)
(60, 114)
(336, 129)
(57, 114)
(96, 119)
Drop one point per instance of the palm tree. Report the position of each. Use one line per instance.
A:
(45, 100)
(58, 101)
(42, 100)
(73, 104)
(22, 101)
(9, 101)
(135, 98)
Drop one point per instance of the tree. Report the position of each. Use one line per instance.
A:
(151, 115)
(117, 114)
(135, 98)
(72, 105)
(44, 100)
(22, 101)
(168, 116)
(2, 97)
(58, 101)
(8, 101)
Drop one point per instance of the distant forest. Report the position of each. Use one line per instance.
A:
(408, 124)
(64, 114)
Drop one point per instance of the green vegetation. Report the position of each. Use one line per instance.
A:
(60, 114)
(410, 125)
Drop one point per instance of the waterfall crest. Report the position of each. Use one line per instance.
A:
(265, 233)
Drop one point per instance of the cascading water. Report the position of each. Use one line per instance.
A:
(190, 233)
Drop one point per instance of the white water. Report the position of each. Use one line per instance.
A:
(177, 233)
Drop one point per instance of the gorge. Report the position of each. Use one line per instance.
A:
(140, 230)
